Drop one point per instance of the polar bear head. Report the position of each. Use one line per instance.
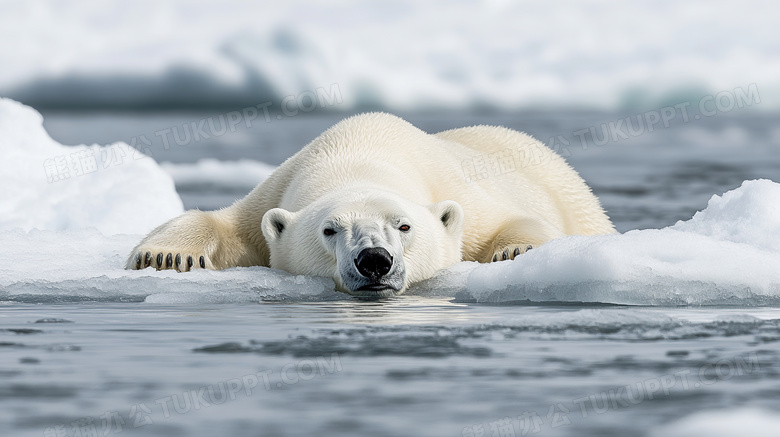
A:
(371, 242)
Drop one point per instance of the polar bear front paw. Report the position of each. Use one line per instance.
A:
(166, 260)
(510, 252)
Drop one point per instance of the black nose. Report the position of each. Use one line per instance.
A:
(374, 262)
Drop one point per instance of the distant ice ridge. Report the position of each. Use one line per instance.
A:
(46, 185)
(67, 240)
(441, 54)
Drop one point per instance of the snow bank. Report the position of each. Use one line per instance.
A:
(46, 185)
(492, 53)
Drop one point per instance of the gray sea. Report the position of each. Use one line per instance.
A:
(410, 366)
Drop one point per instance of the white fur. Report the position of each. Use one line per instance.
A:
(368, 175)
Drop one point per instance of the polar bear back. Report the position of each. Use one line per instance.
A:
(526, 159)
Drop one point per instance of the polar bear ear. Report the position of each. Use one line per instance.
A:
(275, 222)
(450, 214)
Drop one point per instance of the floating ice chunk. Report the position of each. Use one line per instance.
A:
(727, 254)
(243, 174)
(724, 423)
(69, 217)
(46, 185)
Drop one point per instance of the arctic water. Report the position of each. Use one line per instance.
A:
(669, 329)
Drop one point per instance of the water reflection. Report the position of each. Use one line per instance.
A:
(401, 310)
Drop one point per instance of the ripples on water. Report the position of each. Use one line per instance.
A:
(406, 366)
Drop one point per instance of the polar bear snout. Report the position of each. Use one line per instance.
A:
(373, 273)
(374, 262)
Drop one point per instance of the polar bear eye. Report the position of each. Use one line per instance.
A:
(404, 228)
(328, 232)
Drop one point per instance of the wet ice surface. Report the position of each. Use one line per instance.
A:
(406, 366)
(546, 341)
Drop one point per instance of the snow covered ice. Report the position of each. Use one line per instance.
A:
(114, 188)
(727, 254)
(66, 240)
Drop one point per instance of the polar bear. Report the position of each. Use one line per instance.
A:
(377, 204)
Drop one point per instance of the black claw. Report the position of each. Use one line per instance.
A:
(517, 251)
(159, 260)
(495, 257)
(168, 261)
(138, 261)
(147, 259)
(189, 262)
(505, 255)
(178, 261)
(529, 247)
(202, 262)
